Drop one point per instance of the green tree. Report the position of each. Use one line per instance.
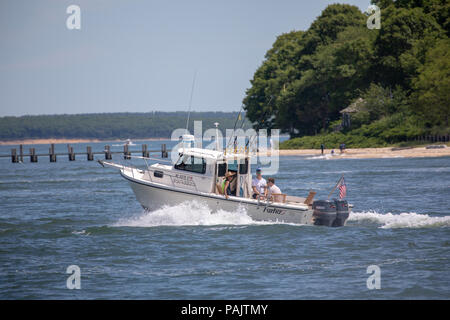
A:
(308, 77)
(401, 44)
(382, 102)
(292, 89)
(432, 98)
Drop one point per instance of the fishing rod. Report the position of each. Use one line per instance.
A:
(243, 122)
(235, 123)
(190, 101)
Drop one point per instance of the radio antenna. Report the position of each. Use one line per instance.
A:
(190, 101)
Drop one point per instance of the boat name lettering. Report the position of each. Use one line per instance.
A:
(274, 210)
(182, 179)
(182, 176)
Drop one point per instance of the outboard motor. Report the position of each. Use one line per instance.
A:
(342, 213)
(324, 212)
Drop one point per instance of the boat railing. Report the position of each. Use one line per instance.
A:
(272, 198)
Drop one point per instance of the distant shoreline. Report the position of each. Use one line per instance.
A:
(350, 153)
(62, 140)
(370, 153)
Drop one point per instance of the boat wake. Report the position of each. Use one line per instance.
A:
(325, 157)
(402, 220)
(190, 213)
(194, 213)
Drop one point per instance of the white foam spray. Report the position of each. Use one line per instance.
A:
(324, 157)
(402, 220)
(194, 213)
(191, 213)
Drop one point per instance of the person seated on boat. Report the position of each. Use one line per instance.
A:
(258, 185)
(272, 191)
(230, 184)
(220, 186)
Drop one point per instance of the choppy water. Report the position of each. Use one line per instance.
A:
(53, 215)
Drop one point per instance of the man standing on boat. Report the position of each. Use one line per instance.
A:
(258, 184)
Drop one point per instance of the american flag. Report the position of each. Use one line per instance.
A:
(342, 189)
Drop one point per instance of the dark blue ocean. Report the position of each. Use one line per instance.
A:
(53, 215)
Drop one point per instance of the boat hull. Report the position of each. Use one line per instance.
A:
(154, 196)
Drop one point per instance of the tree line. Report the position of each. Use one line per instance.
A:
(401, 71)
(111, 125)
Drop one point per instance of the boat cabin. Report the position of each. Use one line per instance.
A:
(204, 170)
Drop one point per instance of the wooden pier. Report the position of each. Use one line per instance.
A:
(71, 154)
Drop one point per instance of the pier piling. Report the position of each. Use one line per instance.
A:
(71, 153)
(21, 153)
(90, 155)
(126, 152)
(145, 152)
(164, 153)
(52, 154)
(14, 158)
(108, 155)
(33, 156)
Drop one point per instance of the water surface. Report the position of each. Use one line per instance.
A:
(53, 215)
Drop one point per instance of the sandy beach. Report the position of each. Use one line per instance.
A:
(372, 153)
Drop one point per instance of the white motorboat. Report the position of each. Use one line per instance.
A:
(127, 142)
(198, 173)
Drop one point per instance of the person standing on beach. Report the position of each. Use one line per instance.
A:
(322, 147)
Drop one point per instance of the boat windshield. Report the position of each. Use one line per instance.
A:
(233, 165)
(191, 164)
(242, 165)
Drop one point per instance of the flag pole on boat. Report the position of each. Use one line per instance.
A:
(337, 184)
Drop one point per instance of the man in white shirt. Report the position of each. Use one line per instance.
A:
(272, 189)
(258, 184)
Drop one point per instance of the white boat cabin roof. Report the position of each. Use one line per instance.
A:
(212, 154)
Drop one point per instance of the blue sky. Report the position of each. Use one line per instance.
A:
(139, 56)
